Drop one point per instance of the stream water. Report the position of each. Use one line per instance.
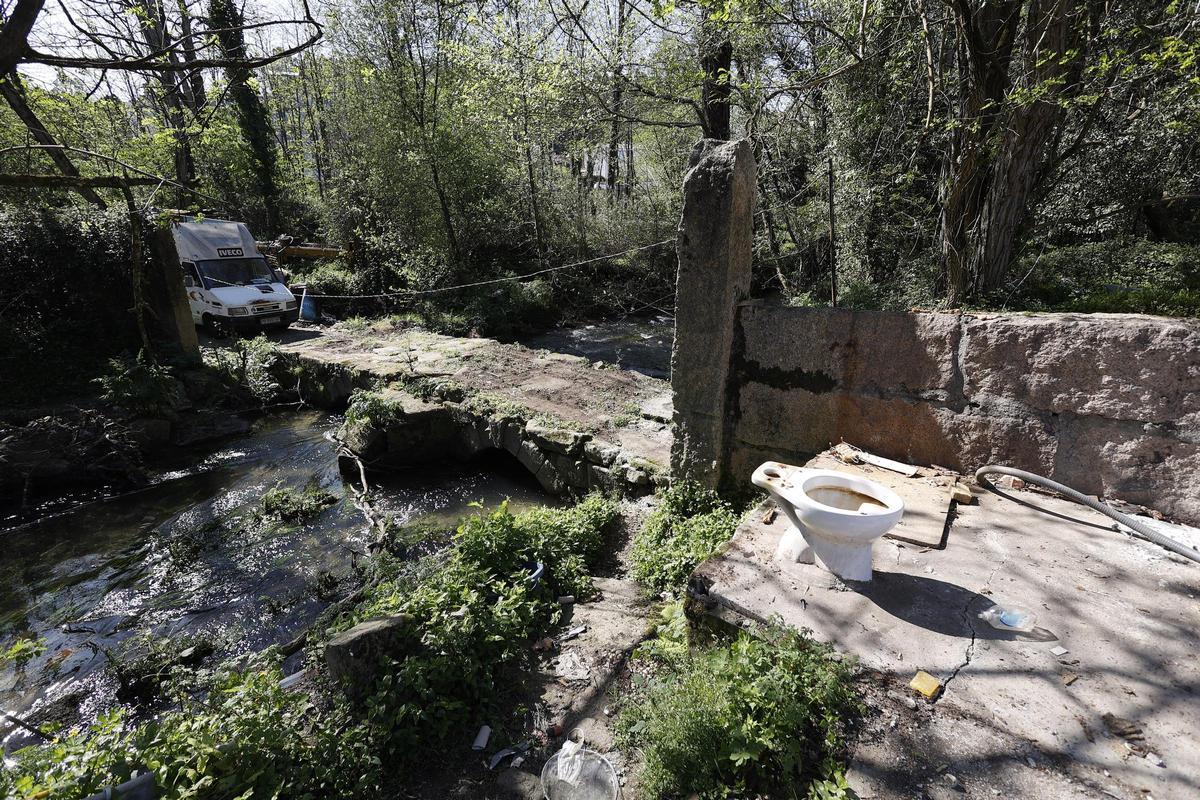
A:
(170, 559)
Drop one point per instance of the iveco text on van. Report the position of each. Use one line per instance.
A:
(230, 285)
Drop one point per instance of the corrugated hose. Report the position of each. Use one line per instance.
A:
(1093, 503)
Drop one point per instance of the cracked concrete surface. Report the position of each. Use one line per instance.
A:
(1014, 719)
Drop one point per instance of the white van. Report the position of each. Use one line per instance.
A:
(230, 285)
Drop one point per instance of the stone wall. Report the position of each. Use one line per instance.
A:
(1107, 403)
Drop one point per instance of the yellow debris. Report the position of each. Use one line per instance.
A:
(925, 684)
(961, 493)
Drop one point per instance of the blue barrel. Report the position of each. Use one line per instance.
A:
(310, 309)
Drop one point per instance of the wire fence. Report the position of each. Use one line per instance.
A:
(488, 282)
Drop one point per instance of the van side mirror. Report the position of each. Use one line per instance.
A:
(188, 282)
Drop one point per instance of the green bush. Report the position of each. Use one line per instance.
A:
(1118, 275)
(370, 408)
(690, 524)
(245, 738)
(22, 650)
(65, 298)
(476, 615)
(754, 717)
(254, 365)
(140, 386)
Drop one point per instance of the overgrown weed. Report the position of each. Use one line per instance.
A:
(689, 525)
(140, 386)
(755, 715)
(291, 505)
(253, 365)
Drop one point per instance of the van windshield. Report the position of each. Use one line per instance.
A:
(236, 272)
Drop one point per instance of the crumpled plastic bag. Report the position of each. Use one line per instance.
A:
(570, 762)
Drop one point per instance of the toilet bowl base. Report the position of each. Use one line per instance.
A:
(851, 562)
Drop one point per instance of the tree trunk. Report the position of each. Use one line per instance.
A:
(1052, 31)
(986, 38)
(316, 124)
(251, 112)
(444, 205)
(1004, 146)
(534, 206)
(194, 92)
(618, 89)
(716, 61)
(154, 32)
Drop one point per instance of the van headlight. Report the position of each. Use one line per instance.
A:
(238, 311)
(290, 305)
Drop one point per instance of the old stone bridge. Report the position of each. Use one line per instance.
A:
(575, 424)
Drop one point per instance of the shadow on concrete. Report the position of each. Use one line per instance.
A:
(939, 606)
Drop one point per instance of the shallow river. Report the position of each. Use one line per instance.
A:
(166, 560)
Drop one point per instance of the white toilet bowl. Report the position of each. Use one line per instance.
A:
(835, 516)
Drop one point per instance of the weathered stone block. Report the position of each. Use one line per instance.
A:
(824, 350)
(636, 477)
(1118, 366)
(1138, 462)
(549, 477)
(600, 478)
(556, 440)
(420, 432)
(714, 247)
(326, 384)
(530, 456)
(894, 428)
(364, 439)
(600, 452)
(658, 409)
(572, 472)
(356, 657)
(510, 434)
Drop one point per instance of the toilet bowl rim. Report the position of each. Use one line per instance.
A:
(798, 493)
(892, 502)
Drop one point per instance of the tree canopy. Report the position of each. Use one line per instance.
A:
(949, 153)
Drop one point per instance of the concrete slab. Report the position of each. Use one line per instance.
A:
(1124, 610)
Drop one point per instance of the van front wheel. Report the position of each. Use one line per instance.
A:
(214, 327)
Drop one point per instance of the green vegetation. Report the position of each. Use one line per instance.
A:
(20, 651)
(1123, 275)
(139, 386)
(235, 733)
(248, 738)
(476, 615)
(291, 505)
(858, 120)
(689, 525)
(253, 365)
(148, 660)
(370, 408)
(64, 300)
(758, 715)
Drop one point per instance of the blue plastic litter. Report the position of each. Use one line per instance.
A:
(310, 309)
